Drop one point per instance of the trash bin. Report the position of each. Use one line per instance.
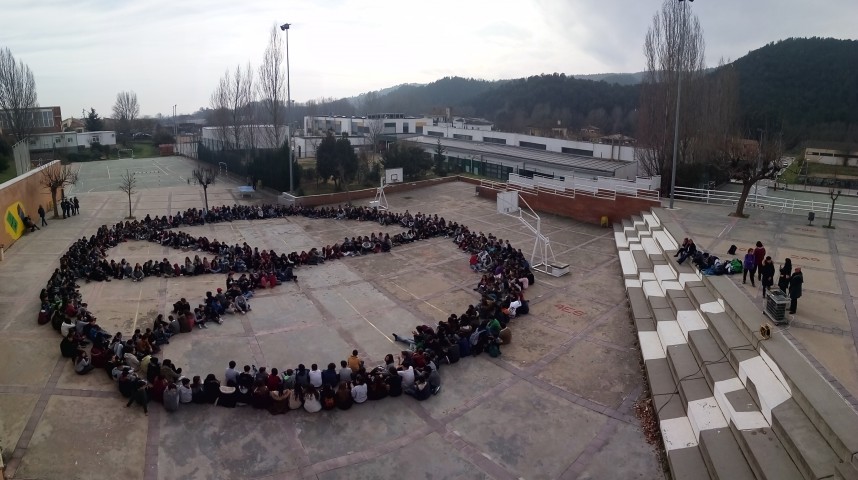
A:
(604, 221)
(810, 217)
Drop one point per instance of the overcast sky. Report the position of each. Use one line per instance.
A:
(172, 52)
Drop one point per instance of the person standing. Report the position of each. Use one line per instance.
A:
(768, 274)
(786, 271)
(42, 215)
(64, 206)
(76, 205)
(749, 265)
(759, 257)
(795, 282)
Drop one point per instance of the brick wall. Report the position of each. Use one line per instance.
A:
(582, 208)
(343, 197)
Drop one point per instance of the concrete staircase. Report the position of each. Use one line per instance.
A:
(729, 404)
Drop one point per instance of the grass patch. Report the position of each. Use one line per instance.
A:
(818, 170)
(8, 173)
(145, 150)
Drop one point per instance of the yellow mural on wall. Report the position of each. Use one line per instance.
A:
(13, 219)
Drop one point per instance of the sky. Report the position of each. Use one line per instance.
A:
(83, 53)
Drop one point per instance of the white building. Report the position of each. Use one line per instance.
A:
(586, 149)
(500, 161)
(250, 136)
(51, 141)
(383, 123)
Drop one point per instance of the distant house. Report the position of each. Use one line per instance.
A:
(42, 142)
(617, 139)
(44, 120)
(832, 154)
(590, 131)
(72, 124)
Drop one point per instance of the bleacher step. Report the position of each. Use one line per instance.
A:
(766, 455)
(723, 457)
(688, 463)
(810, 452)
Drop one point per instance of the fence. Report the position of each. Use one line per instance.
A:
(765, 202)
(599, 187)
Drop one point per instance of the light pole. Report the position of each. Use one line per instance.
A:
(285, 28)
(678, 98)
(175, 126)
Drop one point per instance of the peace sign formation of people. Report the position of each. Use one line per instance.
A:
(133, 362)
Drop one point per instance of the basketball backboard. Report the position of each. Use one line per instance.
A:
(393, 175)
(508, 202)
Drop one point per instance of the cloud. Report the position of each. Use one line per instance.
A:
(170, 52)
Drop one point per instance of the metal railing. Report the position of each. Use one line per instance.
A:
(765, 202)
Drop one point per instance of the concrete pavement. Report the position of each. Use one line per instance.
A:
(557, 403)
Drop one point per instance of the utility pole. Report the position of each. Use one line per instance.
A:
(285, 27)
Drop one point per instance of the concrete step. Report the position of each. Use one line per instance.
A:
(642, 260)
(766, 455)
(687, 463)
(724, 459)
(730, 339)
(846, 471)
(805, 445)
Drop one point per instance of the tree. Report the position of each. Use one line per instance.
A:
(673, 47)
(18, 99)
(126, 184)
(272, 83)
(834, 193)
(126, 110)
(232, 108)
(439, 159)
(326, 164)
(413, 161)
(93, 122)
(205, 176)
(750, 165)
(55, 178)
(373, 130)
(336, 159)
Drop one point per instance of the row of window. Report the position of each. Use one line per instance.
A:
(39, 119)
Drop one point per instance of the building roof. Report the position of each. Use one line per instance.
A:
(542, 158)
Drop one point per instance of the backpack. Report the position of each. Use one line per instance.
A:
(736, 266)
(328, 402)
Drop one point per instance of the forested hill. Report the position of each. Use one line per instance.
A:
(809, 85)
(806, 88)
(538, 101)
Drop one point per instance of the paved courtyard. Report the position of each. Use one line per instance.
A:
(825, 327)
(557, 404)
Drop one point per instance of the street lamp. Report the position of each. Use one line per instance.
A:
(676, 120)
(285, 28)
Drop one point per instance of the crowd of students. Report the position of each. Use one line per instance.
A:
(141, 377)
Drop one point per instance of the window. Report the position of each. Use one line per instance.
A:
(389, 124)
(538, 146)
(501, 141)
(419, 129)
(433, 133)
(462, 137)
(69, 140)
(577, 151)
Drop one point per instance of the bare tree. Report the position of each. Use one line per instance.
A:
(219, 117)
(272, 85)
(55, 178)
(373, 129)
(834, 193)
(126, 110)
(674, 46)
(126, 184)
(205, 176)
(750, 165)
(18, 99)
(246, 104)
